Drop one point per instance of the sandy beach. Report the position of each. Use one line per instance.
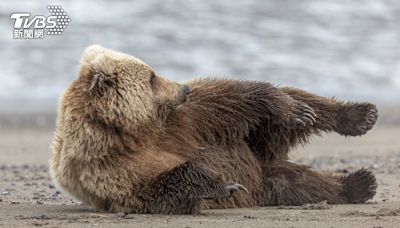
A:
(29, 198)
(349, 50)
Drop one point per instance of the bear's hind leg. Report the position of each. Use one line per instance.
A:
(345, 118)
(287, 183)
(356, 118)
(180, 190)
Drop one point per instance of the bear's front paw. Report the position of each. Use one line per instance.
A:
(303, 116)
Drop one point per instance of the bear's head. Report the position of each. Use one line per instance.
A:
(120, 90)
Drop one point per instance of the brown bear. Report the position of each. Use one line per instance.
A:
(128, 140)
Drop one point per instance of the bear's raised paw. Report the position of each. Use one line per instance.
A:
(357, 119)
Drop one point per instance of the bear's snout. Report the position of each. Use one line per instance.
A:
(186, 90)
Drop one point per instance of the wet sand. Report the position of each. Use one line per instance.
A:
(29, 198)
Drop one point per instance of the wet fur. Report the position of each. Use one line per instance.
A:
(159, 156)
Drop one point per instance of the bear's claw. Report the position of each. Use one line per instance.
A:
(230, 189)
(304, 116)
(225, 191)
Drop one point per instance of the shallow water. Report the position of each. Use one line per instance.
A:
(345, 49)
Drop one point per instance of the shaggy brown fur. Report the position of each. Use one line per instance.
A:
(128, 140)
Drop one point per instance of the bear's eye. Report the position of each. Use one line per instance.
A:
(152, 78)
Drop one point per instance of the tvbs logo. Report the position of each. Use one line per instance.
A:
(28, 27)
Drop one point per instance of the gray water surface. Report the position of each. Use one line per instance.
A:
(348, 49)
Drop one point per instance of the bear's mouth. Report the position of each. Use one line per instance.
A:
(181, 98)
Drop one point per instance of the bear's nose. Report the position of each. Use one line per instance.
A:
(186, 90)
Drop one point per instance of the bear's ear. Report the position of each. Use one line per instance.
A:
(98, 67)
(91, 52)
(102, 73)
